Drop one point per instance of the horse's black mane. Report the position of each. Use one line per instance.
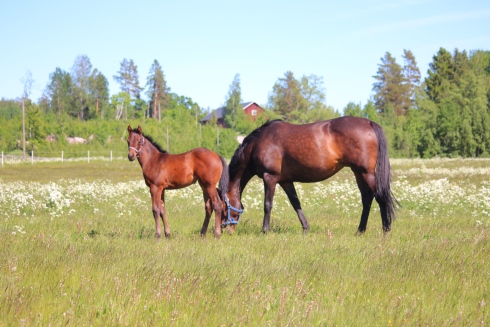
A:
(238, 155)
(158, 146)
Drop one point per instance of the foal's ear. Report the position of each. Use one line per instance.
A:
(129, 129)
(139, 130)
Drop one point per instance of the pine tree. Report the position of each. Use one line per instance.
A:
(441, 75)
(391, 87)
(286, 96)
(128, 78)
(157, 89)
(233, 107)
(58, 92)
(353, 109)
(293, 99)
(99, 90)
(461, 65)
(412, 75)
(369, 111)
(313, 92)
(81, 72)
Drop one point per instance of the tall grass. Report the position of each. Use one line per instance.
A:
(78, 248)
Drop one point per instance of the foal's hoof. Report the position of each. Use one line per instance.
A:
(360, 232)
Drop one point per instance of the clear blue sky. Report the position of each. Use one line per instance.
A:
(201, 45)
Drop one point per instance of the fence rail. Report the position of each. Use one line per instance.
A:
(62, 156)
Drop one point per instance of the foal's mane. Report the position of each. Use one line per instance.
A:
(155, 144)
(238, 156)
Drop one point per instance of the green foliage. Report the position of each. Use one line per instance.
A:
(59, 93)
(449, 113)
(300, 101)
(447, 116)
(233, 110)
(353, 109)
(10, 109)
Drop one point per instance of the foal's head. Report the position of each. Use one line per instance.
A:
(135, 142)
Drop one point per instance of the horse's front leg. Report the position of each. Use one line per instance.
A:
(270, 182)
(158, 209)
(293, 198)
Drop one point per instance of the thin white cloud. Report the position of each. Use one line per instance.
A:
(427, 21)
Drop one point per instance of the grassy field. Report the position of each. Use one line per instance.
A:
(77, 248)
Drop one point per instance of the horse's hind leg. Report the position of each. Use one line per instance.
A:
(366, 185)
(163, 215)
(383, 208)
(293, 198)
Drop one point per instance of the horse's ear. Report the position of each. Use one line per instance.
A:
(129, 129)
(139, 130)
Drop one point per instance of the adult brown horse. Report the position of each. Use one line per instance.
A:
(163, 170)
(283, 153)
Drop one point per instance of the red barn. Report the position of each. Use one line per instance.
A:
(251, 109)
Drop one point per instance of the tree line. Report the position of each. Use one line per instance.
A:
(446, 113)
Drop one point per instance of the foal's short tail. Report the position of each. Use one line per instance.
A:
(224, 180)
(383, 192)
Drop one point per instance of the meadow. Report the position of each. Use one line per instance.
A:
(77, 248)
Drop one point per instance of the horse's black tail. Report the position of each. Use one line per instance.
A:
(383, 192)
(224, 180)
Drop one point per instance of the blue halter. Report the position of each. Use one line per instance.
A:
(230, 207)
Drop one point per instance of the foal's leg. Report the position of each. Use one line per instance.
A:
(217, 206)
(163, 215)
(293, 198)
(366, 184)
(208, 210)
(158, 208)
(270, 182)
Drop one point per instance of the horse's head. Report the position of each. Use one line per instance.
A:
(135, 142)
(232, 210)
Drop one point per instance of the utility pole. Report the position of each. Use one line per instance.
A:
(27, 81)
(23, 130)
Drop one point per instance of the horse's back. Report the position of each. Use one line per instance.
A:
(206, 163)
(315, 151)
